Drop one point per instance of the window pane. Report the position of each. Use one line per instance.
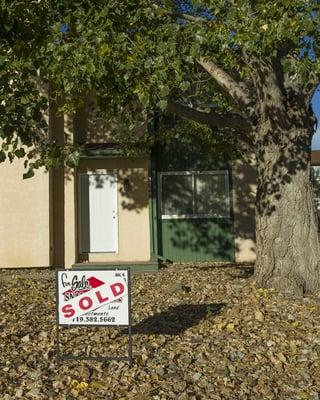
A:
(316, 186)
(211, 195)
(177, 195)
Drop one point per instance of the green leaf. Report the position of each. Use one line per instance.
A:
(24, 100)
(162, 104)
(10, 156)
(20, 153)
(2, 156)
(28, 174)
(184, 85)
(72, 160)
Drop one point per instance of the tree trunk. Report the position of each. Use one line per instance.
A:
(288, 250)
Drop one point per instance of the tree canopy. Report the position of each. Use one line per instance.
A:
(197, 60)
(246, 70)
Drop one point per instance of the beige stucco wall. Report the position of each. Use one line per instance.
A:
(133, 212)
(24, 217)
(243, 196)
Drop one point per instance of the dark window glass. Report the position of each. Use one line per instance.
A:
(177, 195)
(211, 195)
(195, 195)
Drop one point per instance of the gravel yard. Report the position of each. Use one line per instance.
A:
(199, 332)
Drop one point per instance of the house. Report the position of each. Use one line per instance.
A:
(170, 205)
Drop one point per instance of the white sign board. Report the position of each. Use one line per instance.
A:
(92, 297)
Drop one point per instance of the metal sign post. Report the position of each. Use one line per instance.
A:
(93, 298)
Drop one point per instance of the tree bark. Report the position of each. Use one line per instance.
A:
(227, 83)
(288, 250)
(215, 120)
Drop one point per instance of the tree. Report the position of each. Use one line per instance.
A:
(245, 69)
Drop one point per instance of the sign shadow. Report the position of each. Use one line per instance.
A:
(177, 319)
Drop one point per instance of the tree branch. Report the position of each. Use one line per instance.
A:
(232, 121)
(285, 48)
(187, 17)
(192, 18)
(226, 82)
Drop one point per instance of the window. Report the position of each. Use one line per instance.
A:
(315, 170)
(194, 194)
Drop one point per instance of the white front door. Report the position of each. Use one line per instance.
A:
(98, 212)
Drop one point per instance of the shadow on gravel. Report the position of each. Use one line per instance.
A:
(177, 319)
(235, 270)
(243, 272)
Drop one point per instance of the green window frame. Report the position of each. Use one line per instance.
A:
(194, 194)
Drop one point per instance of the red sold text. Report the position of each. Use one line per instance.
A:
(93, 299)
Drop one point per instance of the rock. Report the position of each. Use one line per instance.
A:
(240, 354)
(34, 393)
(160, 371)
(230, 327)
(259, 316)
(196, 376)
(196, 339)
(25, 339)
(18, 393)
(43, 334)
(180, 386)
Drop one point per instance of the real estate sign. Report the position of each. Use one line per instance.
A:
(93, 297)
